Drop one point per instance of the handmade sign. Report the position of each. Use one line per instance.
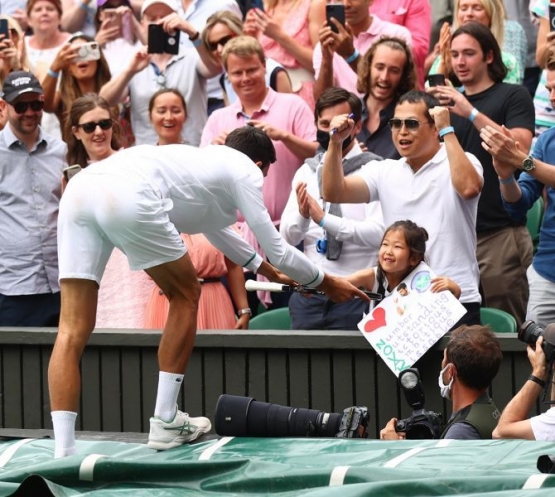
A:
(407, 323)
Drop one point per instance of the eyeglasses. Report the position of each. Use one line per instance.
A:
(21, 107)
(91, 126)
(222, 41)
(410, 124)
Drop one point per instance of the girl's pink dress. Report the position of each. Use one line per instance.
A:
(296, 25)
(215, 310)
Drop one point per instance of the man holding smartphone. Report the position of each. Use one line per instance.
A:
(31, 164)
(337, 55)
(147, 73)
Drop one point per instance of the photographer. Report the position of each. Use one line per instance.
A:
(513, 422)
(470, 362)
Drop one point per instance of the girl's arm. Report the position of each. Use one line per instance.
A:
(364, 278)
(440, 283)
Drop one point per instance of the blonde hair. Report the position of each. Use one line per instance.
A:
(495, 11)
(225, 17)
(243, 46)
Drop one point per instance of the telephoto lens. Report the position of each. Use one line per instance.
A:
(246, 417)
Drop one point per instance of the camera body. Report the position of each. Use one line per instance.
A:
(529, 332)
(421, 425)
(88, 51)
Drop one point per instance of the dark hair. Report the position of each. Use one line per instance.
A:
(254, 143)
(334, 96)
(76, 152)
(496, 69)
(415, 238)
(550, 64)
(417, 96)
(408, 78)
(162, 91)
(476, 353)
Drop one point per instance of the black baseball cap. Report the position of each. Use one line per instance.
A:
(19, 82)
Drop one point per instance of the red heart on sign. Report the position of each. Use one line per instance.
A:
(377, 322)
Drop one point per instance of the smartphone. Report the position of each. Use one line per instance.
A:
(70, 171)
(337, 11)
(436, 79)
(4, 29)
(112, 17)
(161, 42)
(256, 4)
(88, 51)
(552, 16)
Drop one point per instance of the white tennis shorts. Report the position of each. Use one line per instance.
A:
(99, 211)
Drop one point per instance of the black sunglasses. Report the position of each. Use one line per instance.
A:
(21, 107)
(91, 126)
(410, 124)
(222, 41)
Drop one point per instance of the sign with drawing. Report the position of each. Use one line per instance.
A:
(407, 323)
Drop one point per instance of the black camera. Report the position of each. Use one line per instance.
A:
(421, 424)
(529, 332)
(245, 417)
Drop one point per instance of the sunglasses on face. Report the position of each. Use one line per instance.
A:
(222, 41)
(410, 124)
(88, 128)
(21, 107)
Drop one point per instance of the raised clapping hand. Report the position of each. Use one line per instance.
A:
(308, 205)
(502, 146)
(265, 24)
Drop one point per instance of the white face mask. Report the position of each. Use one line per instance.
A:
(445, 389)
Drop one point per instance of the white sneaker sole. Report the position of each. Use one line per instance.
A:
(177, 441)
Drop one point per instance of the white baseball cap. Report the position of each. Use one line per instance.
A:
(148, 3)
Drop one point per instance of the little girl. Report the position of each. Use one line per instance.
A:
(402, 249)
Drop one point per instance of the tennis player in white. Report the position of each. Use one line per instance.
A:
(139, 200)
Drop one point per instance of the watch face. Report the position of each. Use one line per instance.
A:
(528, 164)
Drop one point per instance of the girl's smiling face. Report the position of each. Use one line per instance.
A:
(395, 255)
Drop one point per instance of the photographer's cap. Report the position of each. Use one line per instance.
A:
(19, 82)
(149, 3)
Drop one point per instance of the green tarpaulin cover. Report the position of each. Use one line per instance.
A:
(278, 466)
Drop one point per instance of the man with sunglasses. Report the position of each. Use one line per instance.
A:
(436, 185)
(31, 164)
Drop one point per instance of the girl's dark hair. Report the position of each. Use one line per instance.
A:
(76, 152)
(162, 91)
(415, 238)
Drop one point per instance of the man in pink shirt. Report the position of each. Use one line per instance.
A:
(416, 16)
(285, 118)
(337, 55)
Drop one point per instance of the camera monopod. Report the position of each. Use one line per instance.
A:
(254, 286)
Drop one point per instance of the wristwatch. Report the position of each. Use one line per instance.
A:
(246, 310)
(528, 164)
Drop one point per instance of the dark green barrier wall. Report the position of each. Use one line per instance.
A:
(325, 370)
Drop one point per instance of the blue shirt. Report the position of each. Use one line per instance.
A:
(544, 150)
(30, 190)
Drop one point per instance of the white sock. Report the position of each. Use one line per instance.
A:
(169, 385)
(64, 433)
